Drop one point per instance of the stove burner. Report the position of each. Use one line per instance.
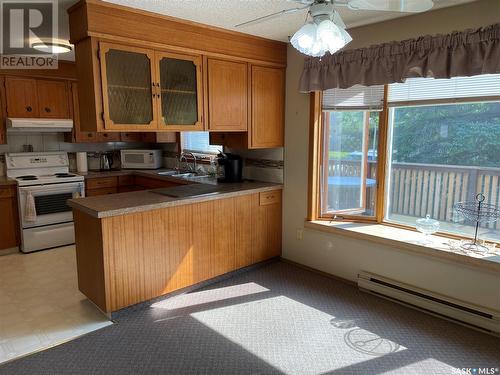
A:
(62, 175)
(27, 178)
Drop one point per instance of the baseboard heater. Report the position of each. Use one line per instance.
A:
(473, 316)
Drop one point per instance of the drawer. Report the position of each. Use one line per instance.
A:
(101, 191)
(7, 192)
(101, 182)
(126, 180)
(269, 197)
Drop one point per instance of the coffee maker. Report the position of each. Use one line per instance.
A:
(232, 165)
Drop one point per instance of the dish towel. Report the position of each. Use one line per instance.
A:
(30, 212)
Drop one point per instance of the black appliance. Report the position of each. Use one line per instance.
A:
(233, 167)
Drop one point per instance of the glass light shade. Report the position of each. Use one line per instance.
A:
(332, 36)
(314, 40)
(50, 47)
(304, 38)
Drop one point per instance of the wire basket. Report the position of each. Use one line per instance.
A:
(479, 212)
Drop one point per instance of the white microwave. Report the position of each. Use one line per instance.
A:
(141, 159)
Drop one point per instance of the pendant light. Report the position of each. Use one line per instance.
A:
(326, 32)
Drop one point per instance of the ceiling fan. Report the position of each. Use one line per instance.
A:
(326, 31)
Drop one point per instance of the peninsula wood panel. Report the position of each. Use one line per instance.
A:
(227, 95)
(152, 253)
(90, 262)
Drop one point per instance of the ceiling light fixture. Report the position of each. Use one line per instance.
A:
(326, 32)
(52, 47)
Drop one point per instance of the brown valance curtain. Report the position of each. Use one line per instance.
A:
(466, 53)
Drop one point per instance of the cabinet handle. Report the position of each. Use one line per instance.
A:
(47, 109)
(29, 109)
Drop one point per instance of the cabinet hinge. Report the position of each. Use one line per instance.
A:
(99, 54)
(102, 116)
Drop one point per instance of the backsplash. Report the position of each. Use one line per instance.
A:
(263, 165)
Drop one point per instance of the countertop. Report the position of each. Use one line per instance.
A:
(6, 181)
(139, 201)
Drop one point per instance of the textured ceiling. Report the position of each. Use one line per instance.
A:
(227, 13)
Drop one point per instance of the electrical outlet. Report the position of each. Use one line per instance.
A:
(300, 232)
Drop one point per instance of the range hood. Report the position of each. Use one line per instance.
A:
(37, 125)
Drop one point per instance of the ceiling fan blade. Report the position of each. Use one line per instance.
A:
(411, 6)
(272, 15)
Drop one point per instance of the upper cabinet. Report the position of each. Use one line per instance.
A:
(179, 91)
(128, 76)
(227, 100)
(53, 99)
(144, 72)
(143, 89)
(36, 98)
(268, 107)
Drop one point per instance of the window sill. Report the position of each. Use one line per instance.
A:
(407, 240)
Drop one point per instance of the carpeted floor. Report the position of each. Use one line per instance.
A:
(278, 319)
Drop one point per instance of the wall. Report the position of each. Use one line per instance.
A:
(343, 256)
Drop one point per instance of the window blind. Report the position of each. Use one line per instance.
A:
(356, 97)
(457, 88)
(198, 142)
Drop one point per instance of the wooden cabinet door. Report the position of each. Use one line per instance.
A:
(267, 228)
(127, 76)
(53, 100)
(179, 86)
(9, 230)
(21, 97)
(268, 97)
(227, 95)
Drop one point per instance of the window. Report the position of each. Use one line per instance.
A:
(349, 151)
(436, 142)
(198, 142)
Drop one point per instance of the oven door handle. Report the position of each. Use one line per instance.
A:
(68, 187)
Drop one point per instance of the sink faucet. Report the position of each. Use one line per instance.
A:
(184, 157)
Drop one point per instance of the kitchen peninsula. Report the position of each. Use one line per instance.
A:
(135, 246)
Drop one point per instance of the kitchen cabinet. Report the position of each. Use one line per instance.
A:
(167, 73)
(227, 98)
(128, 79)
(145, 89)
(267, 106)
(179, 92)
(9, 230)
(53, 99)
(37, 98)
(21, 96)
(179, 246)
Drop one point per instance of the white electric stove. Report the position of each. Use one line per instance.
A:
(44, 179)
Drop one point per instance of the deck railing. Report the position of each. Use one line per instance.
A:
(421, 189)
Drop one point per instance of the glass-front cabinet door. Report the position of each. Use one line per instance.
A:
(128, 77)
(179, 78)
